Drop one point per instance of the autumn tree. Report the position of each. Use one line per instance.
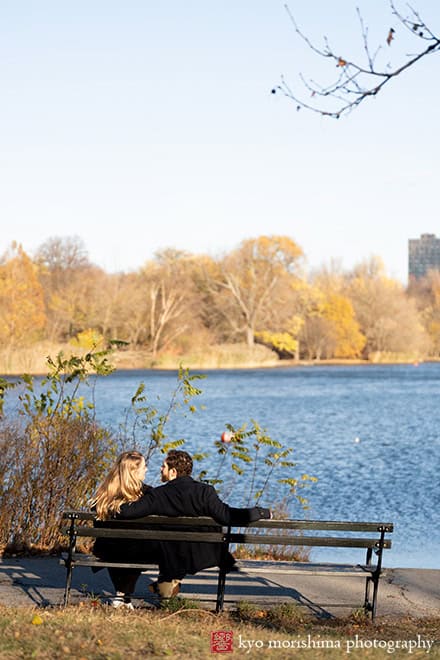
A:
(329, 277)
(212, 314)
(66, 275)
(387, 317)
(348, 339)
(425, 292)
(78, 304)
(129, 309)
(318, 338)
(22, 316)
(60, 256)
(157, 304)
(284, 327)
(113, 305)
(170, 291)
(79, 295)
(331, 328)
(249, 283)
(407, 36)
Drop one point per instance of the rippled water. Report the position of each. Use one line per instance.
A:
(369, 433)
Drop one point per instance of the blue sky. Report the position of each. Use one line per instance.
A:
(144, 124)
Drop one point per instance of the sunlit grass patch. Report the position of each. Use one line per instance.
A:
(183, 632)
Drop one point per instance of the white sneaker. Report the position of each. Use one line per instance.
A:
(120, 602)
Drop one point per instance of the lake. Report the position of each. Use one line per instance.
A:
(370, 434)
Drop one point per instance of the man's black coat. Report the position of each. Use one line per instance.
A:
(185, 497)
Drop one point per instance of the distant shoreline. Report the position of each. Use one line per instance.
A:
(282, 364)
(32, 360)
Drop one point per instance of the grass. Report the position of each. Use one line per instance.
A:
(33, 359)
(222, 356)
(93, 631)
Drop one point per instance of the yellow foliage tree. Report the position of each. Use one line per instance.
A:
(89, 340)
(282, 342)
(22, 315)
(349, 340)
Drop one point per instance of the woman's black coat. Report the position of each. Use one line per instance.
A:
(125, 550)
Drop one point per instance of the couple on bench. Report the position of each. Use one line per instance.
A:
(124, 495)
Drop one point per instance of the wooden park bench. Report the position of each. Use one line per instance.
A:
(370, 536)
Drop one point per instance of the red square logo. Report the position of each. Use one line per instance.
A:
(221, 641)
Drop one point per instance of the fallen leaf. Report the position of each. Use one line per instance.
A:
(37, 620)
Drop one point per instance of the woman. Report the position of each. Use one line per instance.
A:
(123, 485)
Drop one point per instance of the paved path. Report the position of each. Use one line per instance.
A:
(402, 591)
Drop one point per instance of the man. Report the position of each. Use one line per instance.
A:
(181, 495)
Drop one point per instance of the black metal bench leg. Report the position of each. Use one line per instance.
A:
(367, 601)
(68, 584)
(220, 590)
(222, 572)
(377, 573)
(374, 603)
(68, 561)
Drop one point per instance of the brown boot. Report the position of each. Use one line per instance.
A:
(168, 589)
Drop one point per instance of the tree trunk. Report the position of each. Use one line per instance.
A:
(250, 340)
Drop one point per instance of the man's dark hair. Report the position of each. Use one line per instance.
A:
(181, 461)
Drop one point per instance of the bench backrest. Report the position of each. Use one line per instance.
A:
(158, 528)
(278, 533)
(263, 532)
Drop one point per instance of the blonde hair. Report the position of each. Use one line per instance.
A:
(119, 487)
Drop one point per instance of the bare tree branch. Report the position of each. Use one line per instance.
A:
(355, 82)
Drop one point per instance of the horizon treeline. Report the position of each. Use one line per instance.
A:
(177, 302)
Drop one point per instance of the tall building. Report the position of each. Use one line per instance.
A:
(423, 255)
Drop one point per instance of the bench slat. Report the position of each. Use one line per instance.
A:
(318, 541)
(303, 568)
(79, 559)
(258, 567)
(149, 534)
(199, 521)
(331, 525)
